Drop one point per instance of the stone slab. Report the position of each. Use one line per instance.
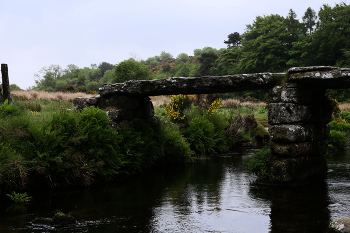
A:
(191, 85)
(299, 133)
(299, 149)
(321, 76)
(286, 113)
(80, 103)
(120, 102)
(298, 169)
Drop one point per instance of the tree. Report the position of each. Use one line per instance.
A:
(182, 57)
(207, 61)
(104, 66)
(92, 86)
(234, 39)
(70, 68)
(153, 64)
(227, 63)
(332, 35)
(165, 56)
(309, 19)
(14, 87)
(184, 70)
(131, 70)
(264, 46)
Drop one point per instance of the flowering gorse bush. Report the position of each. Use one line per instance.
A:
(214, 106)
(175, 109)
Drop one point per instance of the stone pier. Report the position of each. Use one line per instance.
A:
(298, 117)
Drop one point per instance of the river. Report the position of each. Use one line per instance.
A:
(211, 195)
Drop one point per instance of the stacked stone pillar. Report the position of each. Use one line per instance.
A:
(121, 109)
(298, 117)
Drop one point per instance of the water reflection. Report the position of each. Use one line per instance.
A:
(296, 209)
(216, 195)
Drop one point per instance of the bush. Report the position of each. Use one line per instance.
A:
(345, 115)
(75, 148)
(131, 70)
(258, 164)
(173, 147)
(334, 125)
(220, 124)
(200, 134)
(337, 139)
(175, 109)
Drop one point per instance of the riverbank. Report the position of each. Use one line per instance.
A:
(44, 145)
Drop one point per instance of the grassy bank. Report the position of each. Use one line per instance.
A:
(43, 145)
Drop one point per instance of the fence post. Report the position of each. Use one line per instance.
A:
(5, 82)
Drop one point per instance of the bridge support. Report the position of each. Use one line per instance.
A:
(298, 117)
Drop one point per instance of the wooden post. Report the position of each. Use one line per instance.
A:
(5, 82)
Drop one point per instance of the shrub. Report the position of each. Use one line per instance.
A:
(220, 124)
(131, 70)
(19, 197)
(216, 104)
(337, 139)
(175, 109)
(173, 147)
(200, 134)
(345, 115)
(73, 147)
(258, 164)
(339, 126)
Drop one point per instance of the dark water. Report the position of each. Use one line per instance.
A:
(216, 195)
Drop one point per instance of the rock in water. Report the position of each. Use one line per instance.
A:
(341, 225)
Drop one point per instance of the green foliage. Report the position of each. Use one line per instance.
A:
(19, 197)
(259, 163)
(14, 87)
(173, 147)
(182, 57)
(332, 34)
(337, 139)
(207, 61)
(131, 70)
(201, 136)
(33, 106)
(75, 147)
(175, 109)
(264, 45)
(220, 124)
(6, 106)
(345, 115)
(334, 125)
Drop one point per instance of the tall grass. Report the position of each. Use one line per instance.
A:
(44, 95)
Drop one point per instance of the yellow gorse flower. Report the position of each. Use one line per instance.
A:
(174, 109)
(214, 106)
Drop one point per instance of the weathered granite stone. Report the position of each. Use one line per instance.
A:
(120, 102)
(298, 95)
(80, 103)
(191, 85)
(299, 133)
(300, 149)
(145, 109)
(276, 94)
(286, 113)
(299, 169)
(120, 115)
(341, 225)
(321, 76)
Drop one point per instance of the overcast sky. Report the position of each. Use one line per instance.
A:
(38, 33)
